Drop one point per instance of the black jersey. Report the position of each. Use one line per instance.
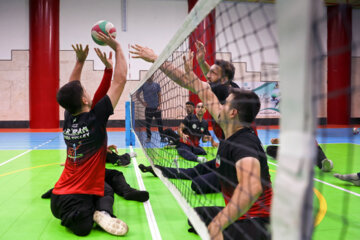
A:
(195, 129)
(86, 141)
(243, 143)
(221, 91)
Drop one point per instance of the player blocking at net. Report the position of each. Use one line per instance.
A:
(241, 162)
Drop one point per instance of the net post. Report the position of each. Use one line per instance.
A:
(291, 213)
(129, 135)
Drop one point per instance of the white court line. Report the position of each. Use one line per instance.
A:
(154, 229)
(329, 184)
(21, 154)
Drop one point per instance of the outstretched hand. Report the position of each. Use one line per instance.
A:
(144, 53)
(188, 62)
(200, 51)
(112, 148)
(109, 40)
(81, 54)
(107, 61)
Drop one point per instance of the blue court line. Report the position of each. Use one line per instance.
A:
(29, 140)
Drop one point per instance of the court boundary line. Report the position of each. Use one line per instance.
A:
(27, 151)
(329, 184)
(154, 229)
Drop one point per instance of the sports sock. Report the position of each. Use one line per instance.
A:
(145, 169)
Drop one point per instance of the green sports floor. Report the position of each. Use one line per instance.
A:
(30, 165)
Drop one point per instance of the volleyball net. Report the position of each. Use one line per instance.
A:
(250, 35)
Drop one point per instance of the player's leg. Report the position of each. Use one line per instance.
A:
(271, 150)
(185, 151)
(199, 151)
(172, 136)
(47, 194)
(75, 212)
(206, 214)
(353, 178)
(206, 183)
(118, 182)
(157, 115)
(119, 160)
(254, 228)
(325, 164)
(104, 216)
(148, 118)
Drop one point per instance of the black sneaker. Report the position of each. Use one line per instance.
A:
(123, 160)
(163, 140)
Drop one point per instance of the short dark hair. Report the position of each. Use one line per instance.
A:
(227, 68)
(247, 103)
(70, 95)
(190, 103)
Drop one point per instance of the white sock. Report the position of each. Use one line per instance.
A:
(201, 159)
(132, 154)
(106, 213)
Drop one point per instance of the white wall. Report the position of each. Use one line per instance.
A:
(14, 22)
(149, 22)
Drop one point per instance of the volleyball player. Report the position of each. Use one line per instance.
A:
(81, 195)
(172, 137)
(114, 178)
(241, 163)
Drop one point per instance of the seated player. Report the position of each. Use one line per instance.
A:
(81, 195)
(118, 183)
(322, 162)
(353, 178)
(240, 163)
(191, 130)
(172, 137)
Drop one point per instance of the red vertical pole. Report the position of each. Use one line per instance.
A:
(197, 34)
(339, 26)
(210, 45)
(209, 39)
(44, 63)
(205, 32)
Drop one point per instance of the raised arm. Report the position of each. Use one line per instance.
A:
(120, 70)
(200, 57)
(81, 55)
(186, 79)
(246, 193)
(106, 80)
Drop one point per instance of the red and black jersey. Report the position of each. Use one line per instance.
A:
(86, 140)
(195, 129)
(243, 143)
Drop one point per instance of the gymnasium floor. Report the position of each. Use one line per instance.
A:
(29, 166)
